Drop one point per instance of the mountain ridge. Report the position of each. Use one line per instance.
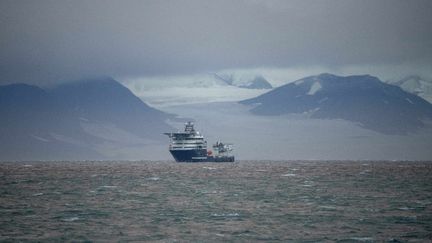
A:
(253, 82)
(416, 85)
(362, 99)
(75, 120)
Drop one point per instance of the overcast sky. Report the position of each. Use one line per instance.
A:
(52, 41)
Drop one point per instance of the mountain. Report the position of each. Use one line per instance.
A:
(245, 81)
(31, 118)
(91, 119)
(259, 82)
(362, 99)
(200, 88)
(416, 85)
(106, 100)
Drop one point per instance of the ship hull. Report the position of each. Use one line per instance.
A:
(198, 155)
(190, 155)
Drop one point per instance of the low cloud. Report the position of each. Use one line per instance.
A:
(50, 41)
(161, 91)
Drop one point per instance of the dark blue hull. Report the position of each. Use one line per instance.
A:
(198, 155)
(193, 155)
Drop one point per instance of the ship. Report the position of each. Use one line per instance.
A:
(190, 146)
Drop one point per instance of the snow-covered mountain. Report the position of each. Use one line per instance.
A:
(91, 119)
(199, 88)
(244, 81)
(362, 99)
(416, 85)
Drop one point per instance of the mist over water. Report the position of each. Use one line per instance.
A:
(241, 201)
(295, 136)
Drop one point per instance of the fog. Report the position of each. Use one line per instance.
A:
(297, 137)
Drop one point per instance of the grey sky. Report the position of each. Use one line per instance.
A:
(47, 41)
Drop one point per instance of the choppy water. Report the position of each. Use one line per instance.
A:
(243, 201)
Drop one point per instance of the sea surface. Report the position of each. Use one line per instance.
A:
(245, 201)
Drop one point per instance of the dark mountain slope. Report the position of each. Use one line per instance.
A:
(72, 121)
(30, 118)
(361, 99)
(106, 100)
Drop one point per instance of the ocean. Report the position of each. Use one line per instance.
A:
(246, 201)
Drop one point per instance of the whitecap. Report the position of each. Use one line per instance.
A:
(405, 208)
(38, 194)
(289, 174)
(207, 192)
(225, 215)
(363, 239)
(328, 207)
(153, 179)
(71, 219)
(209, 168)
(308, 184)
